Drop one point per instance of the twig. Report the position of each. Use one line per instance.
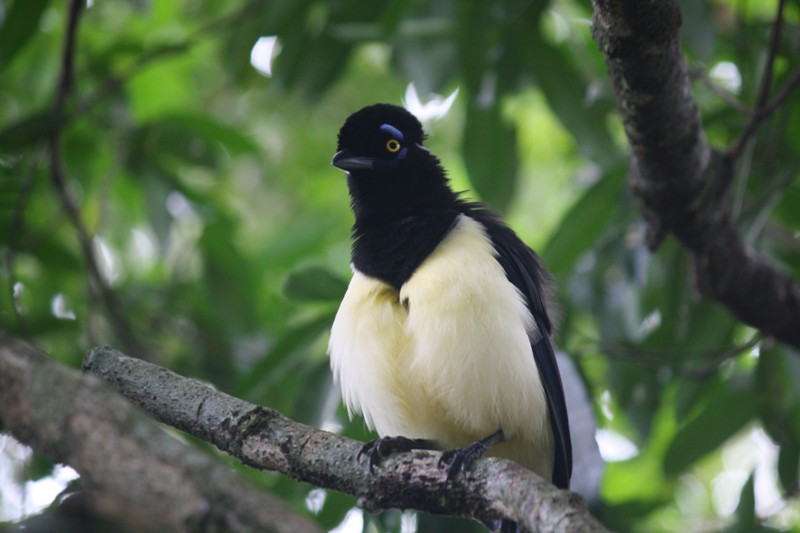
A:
(65, 78)
(665, 357)
(59, 181)
(58, 174)
(774, 42)
(725, 96)
(704, 372)
(783, 93)
(762, 110)
(762, 114)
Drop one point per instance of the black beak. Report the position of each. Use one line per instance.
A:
(344, 160)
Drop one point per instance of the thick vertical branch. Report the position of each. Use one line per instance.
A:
(683, 184)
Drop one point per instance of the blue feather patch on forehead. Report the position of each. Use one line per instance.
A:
(394, 132)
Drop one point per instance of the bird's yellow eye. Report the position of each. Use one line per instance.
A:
(393, 145)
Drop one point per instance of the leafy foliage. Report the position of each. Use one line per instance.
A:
(220, 231)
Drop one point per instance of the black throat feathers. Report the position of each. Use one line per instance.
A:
(391, 248)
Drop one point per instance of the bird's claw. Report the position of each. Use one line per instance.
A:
(461, 459)
(458, 461)
(375, 451)
(381, 448)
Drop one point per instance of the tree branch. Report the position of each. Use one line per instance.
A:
(152, 481)
(761, 114)
(700, 74)
(263, 438)
(682, 183)
(58, 178)
(774, 42)
(762, 110)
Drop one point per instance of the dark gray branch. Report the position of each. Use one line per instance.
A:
(145, 478)
(683, 184)
(264, 438)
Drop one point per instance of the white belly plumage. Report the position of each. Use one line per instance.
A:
(449, 357)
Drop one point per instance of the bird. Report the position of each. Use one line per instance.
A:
(444, 337)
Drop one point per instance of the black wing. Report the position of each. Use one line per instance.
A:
(524, 270)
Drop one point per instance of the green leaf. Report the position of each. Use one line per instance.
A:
(698, 31)
(312, 395)
(786, 209)
(310, 61)
(789, 465)
(716, 422)
(192, 138)
(490, 154)
(287, 344)
(160, 88)
(429, 63)
(31, 129)
(334, 509)
(746, 510)
(314, 283)
(747, 521)
(778, 404)
(564, 89)
(585, 222)
(36, 468)
(230, 277)
(213, 130)
(772, 400)
(20, 24)
(476, 35)
(520, 20)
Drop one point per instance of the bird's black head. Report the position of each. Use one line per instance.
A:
(377, 137)
(389, 170)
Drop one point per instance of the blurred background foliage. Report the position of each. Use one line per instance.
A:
(199, 164)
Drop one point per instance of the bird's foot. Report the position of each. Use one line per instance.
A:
(502, 526)
(379, 449)
(461, 459)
